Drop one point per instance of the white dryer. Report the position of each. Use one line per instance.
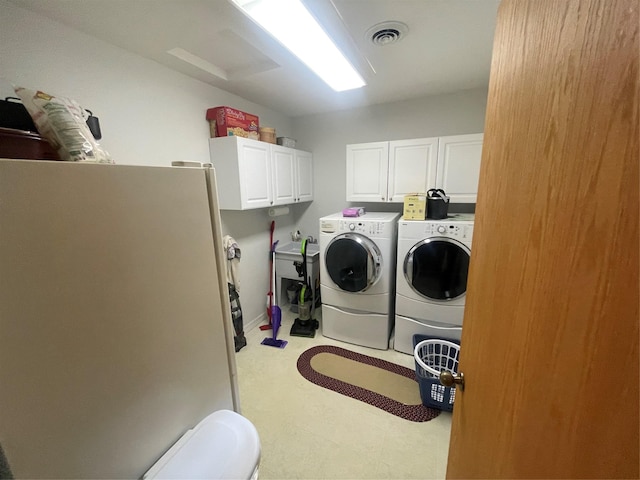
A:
(431, 278)
(357, 277)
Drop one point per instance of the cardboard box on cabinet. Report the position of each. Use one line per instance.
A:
(228, 122)
(415, 206)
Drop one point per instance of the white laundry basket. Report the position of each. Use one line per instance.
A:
(432, 356)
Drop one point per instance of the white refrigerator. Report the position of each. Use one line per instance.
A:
(115, 326)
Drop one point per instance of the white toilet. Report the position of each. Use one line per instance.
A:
(223, 445)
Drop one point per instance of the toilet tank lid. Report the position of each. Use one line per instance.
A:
(223, 445)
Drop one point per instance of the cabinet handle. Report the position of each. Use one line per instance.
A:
(383, 199)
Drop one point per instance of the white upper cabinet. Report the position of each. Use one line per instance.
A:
(387, 171)
(304, 174)
(243, 172)
(284, 175)
(367, 170)
(253, 174)
(412, 167)
(459, 166)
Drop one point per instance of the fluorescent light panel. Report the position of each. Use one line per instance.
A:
(293, 26)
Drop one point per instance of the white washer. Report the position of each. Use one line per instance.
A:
(357, 277)
(431, 278)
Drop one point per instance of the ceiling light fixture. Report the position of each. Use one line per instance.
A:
(289, 22)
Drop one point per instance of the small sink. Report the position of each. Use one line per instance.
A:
(294, 247)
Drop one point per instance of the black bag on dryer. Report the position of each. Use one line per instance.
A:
(437, 204)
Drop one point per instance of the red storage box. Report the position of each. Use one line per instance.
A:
(227, 122)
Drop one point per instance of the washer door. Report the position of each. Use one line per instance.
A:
(436, 268)
(353, 262)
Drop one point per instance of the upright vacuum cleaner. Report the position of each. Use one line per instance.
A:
(304, 325)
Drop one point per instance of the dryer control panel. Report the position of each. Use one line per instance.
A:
(418, 230)
(460, 231)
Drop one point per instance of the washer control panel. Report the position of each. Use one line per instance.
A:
(365, 228)
(374, 225)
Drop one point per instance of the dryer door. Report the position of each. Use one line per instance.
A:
(353, 262)
(436, 268)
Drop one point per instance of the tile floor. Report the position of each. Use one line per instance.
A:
(308, 432)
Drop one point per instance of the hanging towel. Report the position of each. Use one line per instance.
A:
(233, 261)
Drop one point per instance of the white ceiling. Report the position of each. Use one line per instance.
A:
(447, 48)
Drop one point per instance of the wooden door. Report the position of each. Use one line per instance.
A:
(550, 335)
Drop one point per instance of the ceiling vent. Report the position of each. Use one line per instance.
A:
(386, 33)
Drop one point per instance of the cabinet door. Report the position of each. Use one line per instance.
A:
(304, 176)
(254, 167)
(412, 167)
(284, 176)
(367, 172)
(458, 167)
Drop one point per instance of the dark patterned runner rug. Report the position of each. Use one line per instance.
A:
(385, 385)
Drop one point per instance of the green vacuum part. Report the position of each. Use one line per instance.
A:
(304, 325)
(304, 307)
(302, 292)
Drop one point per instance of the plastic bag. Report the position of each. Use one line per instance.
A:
(61, 122)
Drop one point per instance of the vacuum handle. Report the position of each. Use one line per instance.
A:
(303, 251)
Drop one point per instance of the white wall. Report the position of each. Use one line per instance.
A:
(149, 115)
(327, 136)
(152, 115)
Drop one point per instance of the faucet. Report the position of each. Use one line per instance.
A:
(311, 239)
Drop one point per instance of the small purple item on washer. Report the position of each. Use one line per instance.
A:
(352, 211)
